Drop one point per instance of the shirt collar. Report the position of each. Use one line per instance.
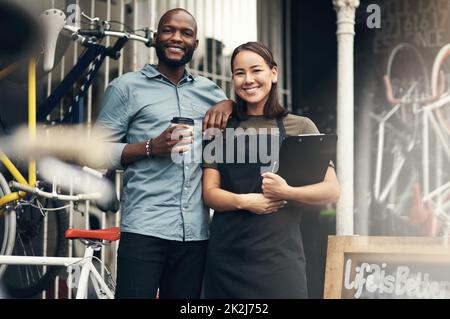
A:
(150, 71)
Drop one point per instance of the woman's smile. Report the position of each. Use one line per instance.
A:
(251, 90)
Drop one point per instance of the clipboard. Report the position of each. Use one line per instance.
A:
(304, 159)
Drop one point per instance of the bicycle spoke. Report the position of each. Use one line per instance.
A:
(26, 268)
(31, 275)
(40, 274)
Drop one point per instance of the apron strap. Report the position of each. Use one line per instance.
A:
(282, 129)
(233, 122)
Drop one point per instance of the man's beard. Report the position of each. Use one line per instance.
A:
(187, 57)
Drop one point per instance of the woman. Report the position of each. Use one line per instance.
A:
(255, 248)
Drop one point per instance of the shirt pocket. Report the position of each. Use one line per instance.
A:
(197, 112)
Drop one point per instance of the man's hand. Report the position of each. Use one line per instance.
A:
(217, 116)
(274, 186)
(258, 204)
(163, 144)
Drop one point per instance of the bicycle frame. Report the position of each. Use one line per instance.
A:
(96, 55)
(32, 132)
(428, 117)
(378, 192)
(88, 271)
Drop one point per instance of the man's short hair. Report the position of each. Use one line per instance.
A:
(174, 11)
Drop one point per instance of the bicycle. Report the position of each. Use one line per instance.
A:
(404, 184)
(16, 206)
(93, 240)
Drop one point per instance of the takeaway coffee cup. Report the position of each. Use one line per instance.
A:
(183, 121)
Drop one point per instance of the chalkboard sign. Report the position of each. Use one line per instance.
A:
(360, 267)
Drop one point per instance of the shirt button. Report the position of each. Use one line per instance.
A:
(186, 167)
(185, 188)
(181, 107)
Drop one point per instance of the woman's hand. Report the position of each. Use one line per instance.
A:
(274, 187)
(326, 192)
(259, 204)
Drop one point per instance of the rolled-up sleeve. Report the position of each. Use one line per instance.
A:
(112, 124)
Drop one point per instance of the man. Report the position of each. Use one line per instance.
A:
(164, 222)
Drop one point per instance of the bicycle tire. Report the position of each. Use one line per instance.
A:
(415, 52)
(22, 281)
(7, 225)
(442, 116)
(407, 77)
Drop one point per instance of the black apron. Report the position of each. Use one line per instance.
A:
(253, 256)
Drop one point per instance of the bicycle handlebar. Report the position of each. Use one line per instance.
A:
(41, 193)
(54, 20)
(82, 34)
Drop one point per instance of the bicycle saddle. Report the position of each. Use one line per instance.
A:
(109, 234)
(52, 22)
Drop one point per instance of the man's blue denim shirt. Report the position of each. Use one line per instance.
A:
(161, 198)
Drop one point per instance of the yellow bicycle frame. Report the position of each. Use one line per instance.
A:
(32, 132)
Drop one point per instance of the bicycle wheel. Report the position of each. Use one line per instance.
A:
(7, 225)
(34, 238)
(442, 64)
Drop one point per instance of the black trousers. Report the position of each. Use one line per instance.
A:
(146, 263)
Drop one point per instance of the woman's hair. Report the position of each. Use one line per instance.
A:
(273, 108)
